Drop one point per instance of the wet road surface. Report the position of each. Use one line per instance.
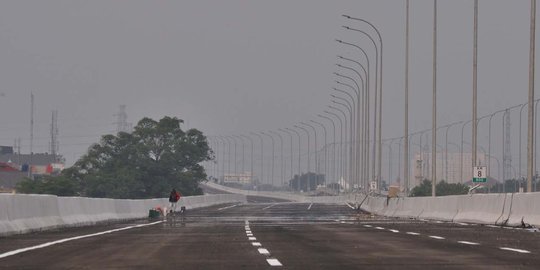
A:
(269, 234)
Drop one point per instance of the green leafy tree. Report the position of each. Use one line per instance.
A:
(442, 189)
(60, 186)
(147, 163)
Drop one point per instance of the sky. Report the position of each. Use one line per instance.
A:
(237, 66)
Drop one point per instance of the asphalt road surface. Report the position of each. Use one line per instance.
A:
(268, 234)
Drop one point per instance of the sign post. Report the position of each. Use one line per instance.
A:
(479, 174)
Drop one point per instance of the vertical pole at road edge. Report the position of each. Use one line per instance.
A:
(406, 162)
(434, 113)
(475, 87)
(530, 133)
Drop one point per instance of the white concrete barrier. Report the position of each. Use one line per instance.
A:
(33, 212)
(525, 206)
(480, 208)
(440, 208)
(21, 213)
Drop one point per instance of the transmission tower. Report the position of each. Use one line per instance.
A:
(122, 124)
(507, 152)
(54, 145)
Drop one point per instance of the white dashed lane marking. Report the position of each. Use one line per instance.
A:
(352, 207)
(228, 207)
(309, 207)
(273, 262)
(394, 231)
(256, 244)
(515, 250)
(412, 233)
(252, 239)
(264, 251)
(468, 243)
(268, 207)
(368, 226)
(436, 237)
(379, 228)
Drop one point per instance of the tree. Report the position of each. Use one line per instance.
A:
(147, 163)
(442, 189)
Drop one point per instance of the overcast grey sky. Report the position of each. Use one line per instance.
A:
(231, 67)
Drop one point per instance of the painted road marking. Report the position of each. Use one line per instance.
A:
(247, 222)
(516, 250)
(463, 224)
(368, 226)
(436, 237)
(248, 232)
(492, 226)
(264, 251)
(223, 208)
(14, 252)
(394, 231)
(352, 207)
(252, 238)
(256, 244)
(468, 243)
(273, 262)
(412, 233)
(268, 207)
(309, 207)
(379, 228)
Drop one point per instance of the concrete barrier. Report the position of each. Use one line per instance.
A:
(21, 213)
(33, 212)
(525, 206)
(481, 208)
(440, 208)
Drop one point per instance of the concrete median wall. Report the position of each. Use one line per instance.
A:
(21, 213)
(497, 209)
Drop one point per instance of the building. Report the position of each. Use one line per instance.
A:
(451, 167)
(15, 167)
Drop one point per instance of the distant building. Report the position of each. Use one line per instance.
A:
(14, 167)
(449, 167)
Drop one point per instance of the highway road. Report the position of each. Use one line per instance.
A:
(269, 234)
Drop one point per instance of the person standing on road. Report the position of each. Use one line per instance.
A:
(174, 196)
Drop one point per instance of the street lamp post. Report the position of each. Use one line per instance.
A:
(325, 150)
(349, 108)
(380, 58)
(299, 156)
(339, 168)
(251, 156)
(361, 120)
(314, 150)
(343, 153)
(334, 159)
(262, 155)
(308, 157)
(530, 133)
(365, 108)
(291, 137)
(281, 152)
(273, 158)
(366, 114)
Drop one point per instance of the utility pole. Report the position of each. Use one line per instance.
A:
(530, 133)
(54, 144)
(31, 134)
(406, 162)
(434, 104)
(475, 88)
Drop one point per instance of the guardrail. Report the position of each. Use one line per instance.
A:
(21, 213)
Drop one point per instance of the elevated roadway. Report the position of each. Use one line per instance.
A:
(266, 234)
